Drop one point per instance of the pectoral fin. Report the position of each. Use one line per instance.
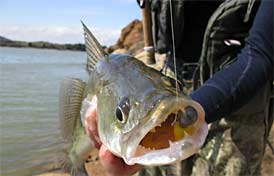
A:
(70, 100)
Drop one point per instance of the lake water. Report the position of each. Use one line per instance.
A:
(30, 140)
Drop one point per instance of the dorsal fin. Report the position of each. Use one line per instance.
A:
(93, 48)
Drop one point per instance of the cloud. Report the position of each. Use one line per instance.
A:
(58, 34)
(127, 1)
(107, 36)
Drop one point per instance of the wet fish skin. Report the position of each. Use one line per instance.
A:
(133, 101)
(151, 99)
(149, 93)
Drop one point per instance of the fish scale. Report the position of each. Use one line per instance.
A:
(128, 128)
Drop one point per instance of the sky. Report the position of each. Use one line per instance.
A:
(59, 20)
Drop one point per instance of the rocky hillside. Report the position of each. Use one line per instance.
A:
(131, 40)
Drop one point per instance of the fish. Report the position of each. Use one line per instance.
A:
(142, 115)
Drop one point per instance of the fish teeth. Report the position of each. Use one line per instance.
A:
(142, 149)
(146, 149)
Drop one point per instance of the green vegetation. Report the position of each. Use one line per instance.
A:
(40, 44)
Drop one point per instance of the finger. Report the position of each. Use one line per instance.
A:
(91, 118)
(91, 123)
(114, 165)
(90, 115)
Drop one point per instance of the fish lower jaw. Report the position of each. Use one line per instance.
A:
(165, 152)
(142, 150)
(176, 151)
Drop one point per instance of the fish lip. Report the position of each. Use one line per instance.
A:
(166, 155)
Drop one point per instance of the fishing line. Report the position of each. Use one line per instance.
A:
(173, 47)
(174, 54)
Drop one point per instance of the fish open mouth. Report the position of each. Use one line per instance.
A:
(163, 135)
(165, 140)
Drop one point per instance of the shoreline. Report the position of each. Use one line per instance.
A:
(15, 47)
(62, 48)
(5, 42)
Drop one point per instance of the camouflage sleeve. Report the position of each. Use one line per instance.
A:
(229, 89)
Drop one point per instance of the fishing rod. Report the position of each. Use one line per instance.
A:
(146, 22)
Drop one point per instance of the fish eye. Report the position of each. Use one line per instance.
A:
(122, 110)
(119, 114)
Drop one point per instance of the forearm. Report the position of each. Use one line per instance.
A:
(231, 88)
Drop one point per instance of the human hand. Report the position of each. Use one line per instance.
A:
(113, 165)
(91, 123)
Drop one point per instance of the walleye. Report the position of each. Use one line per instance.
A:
(141, 118)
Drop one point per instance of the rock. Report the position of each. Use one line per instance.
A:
(131, 38)
(120, 51)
